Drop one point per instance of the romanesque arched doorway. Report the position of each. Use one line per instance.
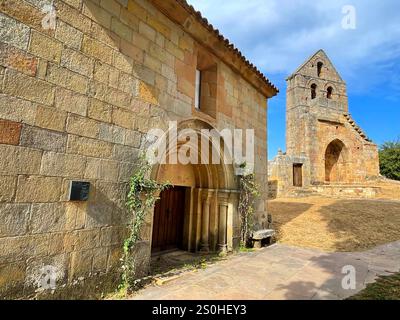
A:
(336, 162)
(199, 213)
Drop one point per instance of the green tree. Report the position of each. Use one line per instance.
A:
(389, 157)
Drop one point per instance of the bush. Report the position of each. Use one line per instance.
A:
(389, 158)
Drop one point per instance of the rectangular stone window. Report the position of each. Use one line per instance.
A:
(198, 90)
(206, 84)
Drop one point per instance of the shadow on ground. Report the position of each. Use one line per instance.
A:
(336, 224)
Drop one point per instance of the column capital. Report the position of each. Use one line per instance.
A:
(206, 194)
(223, 197)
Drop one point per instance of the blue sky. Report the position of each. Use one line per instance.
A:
(279, 35)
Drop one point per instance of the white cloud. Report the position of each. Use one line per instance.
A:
(278, 35)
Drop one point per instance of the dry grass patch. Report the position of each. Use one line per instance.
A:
(335, 224)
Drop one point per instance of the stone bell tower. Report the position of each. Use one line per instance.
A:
(314, 90)
(323, 143)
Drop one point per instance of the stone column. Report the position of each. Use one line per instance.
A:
(222, 222)
(205, 222)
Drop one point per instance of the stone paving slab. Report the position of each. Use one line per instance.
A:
(279, 272)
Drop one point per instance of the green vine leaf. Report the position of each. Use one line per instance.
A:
(141, 198)
(249, 192)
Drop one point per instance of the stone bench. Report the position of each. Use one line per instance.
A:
(262, 238)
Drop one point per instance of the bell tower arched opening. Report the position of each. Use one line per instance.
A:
(336, 162)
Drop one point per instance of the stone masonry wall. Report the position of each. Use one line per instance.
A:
(75, 103)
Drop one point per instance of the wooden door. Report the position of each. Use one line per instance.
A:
(168, 220)
(298, 175)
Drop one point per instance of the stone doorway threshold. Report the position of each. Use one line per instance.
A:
(170, 265)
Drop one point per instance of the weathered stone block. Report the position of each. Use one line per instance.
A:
(132, 138)
(97, 49)
(114, 259)
(50, 217)
(126, 171)
(45, 47)
(42, 69)
(38, 189)
(14, 32)
(131, 51)
(83, 126)
(111, 133)
(23, 12)
(100, 256)
(97, 14)
(17, 160)
(12, 276)
(110, 95)
(111, 236)
(128, 84)
(74, 3)
(62, 165)
(14, 219)
(174, 50)
(10, 132)
(14, 58)
(101, 72)
(148, 93)
(20, 85)
(7, 188)
(123, 118)
(12, 249)
(169, 73)
(152, 63)
(38, 138)
(50, 118)
(122, 62)
(102, 169)
(136, 9)
(145, 74)
(81, 264)
(147, 31)
(39, 4)
(68, 35)
(99, 110)
(121, 29)
(159, 26)
(73, 17)
(103, 35)
(125, 153)
(82, 240)
(72, 102)
(66, 78)
(89, 147)
(77, 62)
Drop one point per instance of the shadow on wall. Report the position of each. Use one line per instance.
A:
(135, 87)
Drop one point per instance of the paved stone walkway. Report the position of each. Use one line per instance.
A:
(279, 272)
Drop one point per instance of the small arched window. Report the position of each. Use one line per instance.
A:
(319, 68)
(313, 91)
(329, 92)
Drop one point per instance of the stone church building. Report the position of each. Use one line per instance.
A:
(81, 83)
(325, 147)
